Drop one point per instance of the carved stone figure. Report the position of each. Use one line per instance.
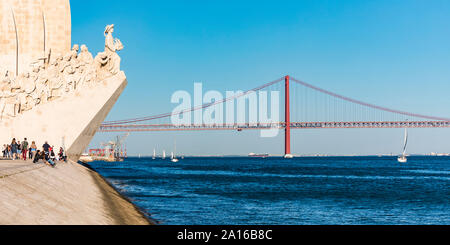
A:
(56, 81)
(5, 83)
(74, 52)
(5, 92)
(16, 83)
(27, 84)
(109, 60)
(85, 56)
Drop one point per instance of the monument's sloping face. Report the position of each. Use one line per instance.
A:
(29, 29)
(70, 122)
(60, 94)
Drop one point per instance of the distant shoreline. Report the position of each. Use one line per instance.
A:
(299, 156)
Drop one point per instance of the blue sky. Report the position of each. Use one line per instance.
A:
(390, 53)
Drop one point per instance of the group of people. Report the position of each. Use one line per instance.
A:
(22, 150)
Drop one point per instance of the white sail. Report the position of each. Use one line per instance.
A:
(164, 154)
(402, 158)
(154, 153)
(406, 142)
(174, 159)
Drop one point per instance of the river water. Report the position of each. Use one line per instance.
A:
(273, 191)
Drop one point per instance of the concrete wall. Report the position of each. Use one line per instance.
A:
(30, 28)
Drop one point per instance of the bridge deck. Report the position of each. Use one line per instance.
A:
(256, 126)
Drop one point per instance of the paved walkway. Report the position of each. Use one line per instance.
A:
(69, 194)
(9, 167)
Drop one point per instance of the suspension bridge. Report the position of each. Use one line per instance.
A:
(305, 107)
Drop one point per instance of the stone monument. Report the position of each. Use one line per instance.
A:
(50, 91)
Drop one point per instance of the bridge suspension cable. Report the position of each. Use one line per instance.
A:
(367, 104)
(169, 114)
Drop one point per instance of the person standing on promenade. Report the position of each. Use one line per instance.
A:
(5, 151)
(13, 149)
(24, 149)
(19, 150)
(46, 148)
(9, 151)
(33, 149)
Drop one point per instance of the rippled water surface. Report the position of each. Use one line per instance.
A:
(311, 191)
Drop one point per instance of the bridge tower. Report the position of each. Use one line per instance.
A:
(287, 120)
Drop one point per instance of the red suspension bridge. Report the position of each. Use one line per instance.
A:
(305, 107)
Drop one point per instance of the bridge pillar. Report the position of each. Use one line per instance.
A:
(287, 113)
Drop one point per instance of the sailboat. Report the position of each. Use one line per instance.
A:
(402, 158)
(164, 154)
(173, 158)
(154, 154)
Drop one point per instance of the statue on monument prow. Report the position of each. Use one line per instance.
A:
(54, 77)
(109, 60)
